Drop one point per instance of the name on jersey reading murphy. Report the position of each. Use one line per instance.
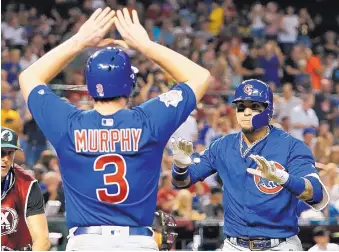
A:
(105, 140)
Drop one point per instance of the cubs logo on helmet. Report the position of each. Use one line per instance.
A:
(9, 220)
(248, 89)
(268, 187)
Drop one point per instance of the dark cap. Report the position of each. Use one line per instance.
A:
(215, 190)
(320, 231)
(9, 139)
(309, 130)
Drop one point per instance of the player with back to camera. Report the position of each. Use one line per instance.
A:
(264, 170)
(110, 156)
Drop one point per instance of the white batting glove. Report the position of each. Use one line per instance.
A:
(182, 151)
(266, 169)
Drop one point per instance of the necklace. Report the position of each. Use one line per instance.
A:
(243, 155)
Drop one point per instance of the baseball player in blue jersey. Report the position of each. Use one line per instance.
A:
(264, 170)
(110, 156)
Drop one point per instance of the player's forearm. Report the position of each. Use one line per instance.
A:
(49, 65)
(179, 67)
(307, 194)
(42, 244)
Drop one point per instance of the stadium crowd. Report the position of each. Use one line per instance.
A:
(286, 47)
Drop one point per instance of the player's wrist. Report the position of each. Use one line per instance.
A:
(180, 173)
(146, 47)
(78, 42)
(282, 176)
(295, 184)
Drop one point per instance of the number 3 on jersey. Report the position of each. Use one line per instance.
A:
(118, 178)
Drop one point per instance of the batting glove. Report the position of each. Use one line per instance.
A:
(267, 170)
(182, 151)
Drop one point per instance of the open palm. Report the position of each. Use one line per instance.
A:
(92, 32)
(133, 33)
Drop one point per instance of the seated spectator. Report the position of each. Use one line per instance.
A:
(322, 148)
(199, 192)
(10, 118)
(166, 193)
(54, 190)
(215, 207)
(309, 137)
(322, 238)
(13, 68)
(183, 207)
(302, 79)
(287, 102)
(303, 116)
(286, 124)
(314, 66)
(250, 66)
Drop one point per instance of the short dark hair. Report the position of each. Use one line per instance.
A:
(109, 99)
(215, 190)
(320, 231)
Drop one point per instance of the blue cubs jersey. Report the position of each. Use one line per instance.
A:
(110, 165)
(253, 206)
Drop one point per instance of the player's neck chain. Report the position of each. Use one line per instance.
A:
(243, 155)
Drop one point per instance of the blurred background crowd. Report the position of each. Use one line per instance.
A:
(291, 45)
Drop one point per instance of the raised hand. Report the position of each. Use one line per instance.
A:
(130, 29)
(266, 169)
(182, 151)
(93, 31)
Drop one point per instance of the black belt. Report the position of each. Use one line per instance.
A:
(99, 230)
(257, 243)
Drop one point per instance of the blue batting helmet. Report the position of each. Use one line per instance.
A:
(258, 91)
(109, 74)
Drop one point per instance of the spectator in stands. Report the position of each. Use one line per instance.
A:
(54, 190)
(309, 137)
(36, 142)
(250, 66)
(287, 102)
(288, 33)
(10, 118)
(302, 79)
(166, 193)
(270, 61)
(28, 58)
(183, 207)
(290, 66)
(314, 66)
(216, 18)
(303, 116)
(286, 124)
(306, 26)
(322, 238)
(324, 143)
(215, 208)
(13, 68)
(13, 32)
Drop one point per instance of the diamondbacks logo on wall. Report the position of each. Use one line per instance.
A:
(248, 89)
(268, 187)
(172, 98)
(6, 136)
(9, 220)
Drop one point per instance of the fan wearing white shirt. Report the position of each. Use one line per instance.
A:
(303, 116)
(322, 238)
